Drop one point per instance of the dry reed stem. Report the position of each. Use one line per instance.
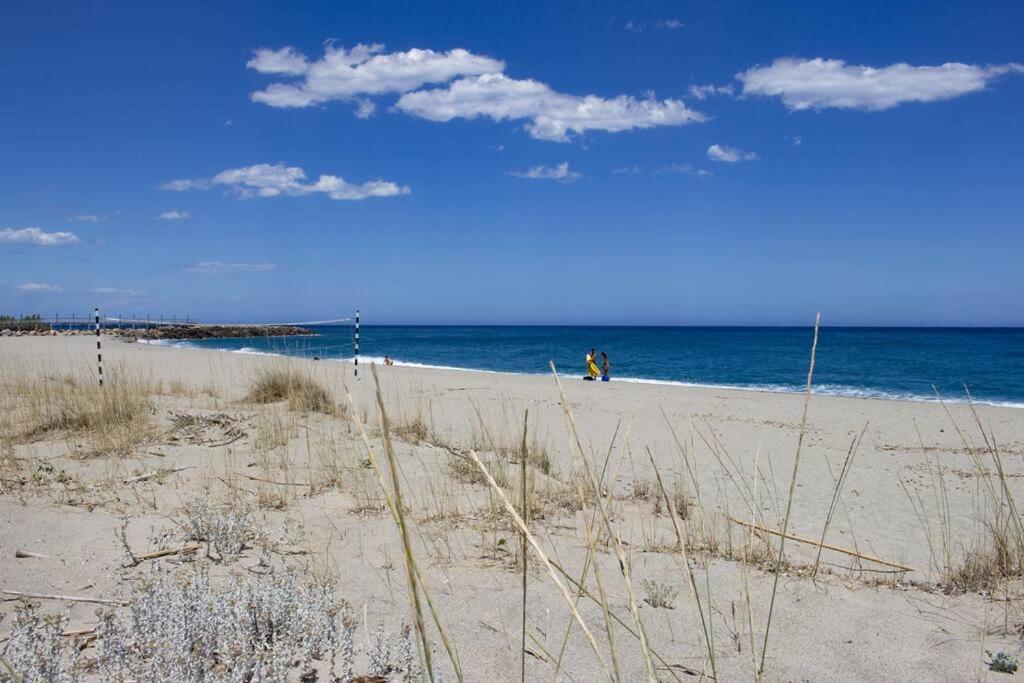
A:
(448, 645)
(410, 573)
(826, 546)
(691, 579)
(789, 501)
(526, 519)
(544, 559)
(624, 567)
(592, 550)
(847, 464)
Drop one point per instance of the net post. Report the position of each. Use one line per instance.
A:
(99, 351)
(357, 346)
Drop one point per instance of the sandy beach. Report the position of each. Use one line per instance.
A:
(888, 599)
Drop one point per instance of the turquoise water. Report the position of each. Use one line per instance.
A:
(894, 363)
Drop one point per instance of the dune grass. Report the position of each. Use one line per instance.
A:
(286, 382)
(111, 419)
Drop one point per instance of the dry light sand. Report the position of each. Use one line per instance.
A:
(859, 620)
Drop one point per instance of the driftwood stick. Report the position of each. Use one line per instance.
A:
(827, 546)
(278, 483)
(87, 631)
(64, 598)
(157, 473)
(191, 548)
(23, 554)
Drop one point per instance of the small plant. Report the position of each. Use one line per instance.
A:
(660, 594)
(228, 532)
(283, 383)
(415, 431)
(1001, 662)
(37, 651)
(641, 489)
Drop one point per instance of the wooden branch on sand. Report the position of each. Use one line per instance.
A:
(276, 483)
(157, 473)
(827, 546)
(64, 598)
(191, 548)
(24, 554)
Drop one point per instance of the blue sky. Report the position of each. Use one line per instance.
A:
(661, 163)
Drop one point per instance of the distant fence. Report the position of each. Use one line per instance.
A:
(74, 321)
(93, 321)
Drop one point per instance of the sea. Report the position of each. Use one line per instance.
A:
(985, 365)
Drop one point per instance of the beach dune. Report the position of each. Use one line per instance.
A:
(904, 487)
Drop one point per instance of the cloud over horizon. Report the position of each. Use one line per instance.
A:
(560, 173)
(37, 236)
(730, 155)
(39, 287)
(174, 215)
(222, 267)
(832, 83)
(117, 292)
(272, 180)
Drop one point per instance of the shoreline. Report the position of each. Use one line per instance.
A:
(819, 390)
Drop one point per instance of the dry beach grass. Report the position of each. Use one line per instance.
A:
(423, 523)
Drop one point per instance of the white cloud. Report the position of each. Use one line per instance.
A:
(37, 237)
(560, 172)
(86, 219)
(117, 292)
(469, 85)
(174, 215)
(364, 70)
(703, 92)
(286, 61)
(635, 169)
(552, 114)
(729, 155)
(822, 83)
(222, 267)
(272, 180)
(634, 26)
(365, 108)
(40, 287)
(685, 169)
(797, 140)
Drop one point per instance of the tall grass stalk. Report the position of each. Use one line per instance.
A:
(789, 500)
(566, 595)
(624, 566)
(691, 579)
(410, 573)
(378, 472)
(851, 453)
(526, 520)
(591, 550)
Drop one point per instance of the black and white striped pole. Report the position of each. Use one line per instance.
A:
(99, 351)
(357, 345)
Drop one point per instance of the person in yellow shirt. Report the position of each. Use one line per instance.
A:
(592, 370)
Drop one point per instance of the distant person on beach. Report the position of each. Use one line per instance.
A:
(592, 371)
(387, 360)
(606, 367)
